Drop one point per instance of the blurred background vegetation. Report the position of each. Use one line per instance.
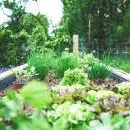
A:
(102, 25)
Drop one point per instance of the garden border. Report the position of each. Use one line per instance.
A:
(7, 78)
(119, 75)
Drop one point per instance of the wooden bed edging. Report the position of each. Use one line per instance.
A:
(7, 78)
(119, 74)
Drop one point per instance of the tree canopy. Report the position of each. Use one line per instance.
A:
(101, 24)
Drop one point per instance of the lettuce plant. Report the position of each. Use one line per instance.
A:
(76, 76)
(73, 113)
(124, 88)
(93, 96)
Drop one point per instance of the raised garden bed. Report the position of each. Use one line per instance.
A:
(76, 101)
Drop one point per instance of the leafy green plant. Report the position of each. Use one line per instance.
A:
(94, 68)
(24, 76)
(124, 88)
(73, 113)
(76, 76)
(72, 93)
(16, 110)
(93, 96)
(109, 122)
(42, 62)
(89, 59)
(66, 61)
(34, 93)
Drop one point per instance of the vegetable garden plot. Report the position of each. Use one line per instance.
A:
(79, 99)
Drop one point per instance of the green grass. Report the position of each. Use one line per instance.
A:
(118, 61)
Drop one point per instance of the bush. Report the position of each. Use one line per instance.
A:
(76, 76)
(66, 61)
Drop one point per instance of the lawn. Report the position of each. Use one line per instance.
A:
(118, 61)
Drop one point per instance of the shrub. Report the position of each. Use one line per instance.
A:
(66, 61)
(76, 76)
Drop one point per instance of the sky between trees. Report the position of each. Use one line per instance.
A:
(51, 8)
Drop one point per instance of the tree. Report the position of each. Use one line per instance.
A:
(95, 20)
(22, 32)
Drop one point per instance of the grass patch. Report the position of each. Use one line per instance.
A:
(118, 61)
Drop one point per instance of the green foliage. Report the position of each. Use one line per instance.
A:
(72, 93)
(124, 88)
(108, 122)
(89, 59)
(24, 76)
(118, 61)
(14, 114)
(32, 109)
(126, 20)
(12, 51)
(76, 76)
(73, 113)
(22, 33)
(42, 62)
(66, 61)
(94, 68)
(93, 96)
(36, 94)
(102, 27)
(38, 38)
(60, 39)
(98, 71)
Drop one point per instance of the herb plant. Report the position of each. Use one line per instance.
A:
(42, 62)
(66, 61)
(94, 68)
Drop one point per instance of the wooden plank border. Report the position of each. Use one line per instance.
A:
(119, 74)
(7, 78)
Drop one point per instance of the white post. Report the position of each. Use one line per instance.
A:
(75, 43)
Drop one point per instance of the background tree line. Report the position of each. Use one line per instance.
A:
(103, 24)
(24, 33)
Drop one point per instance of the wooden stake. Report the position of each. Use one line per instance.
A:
(75, 43)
